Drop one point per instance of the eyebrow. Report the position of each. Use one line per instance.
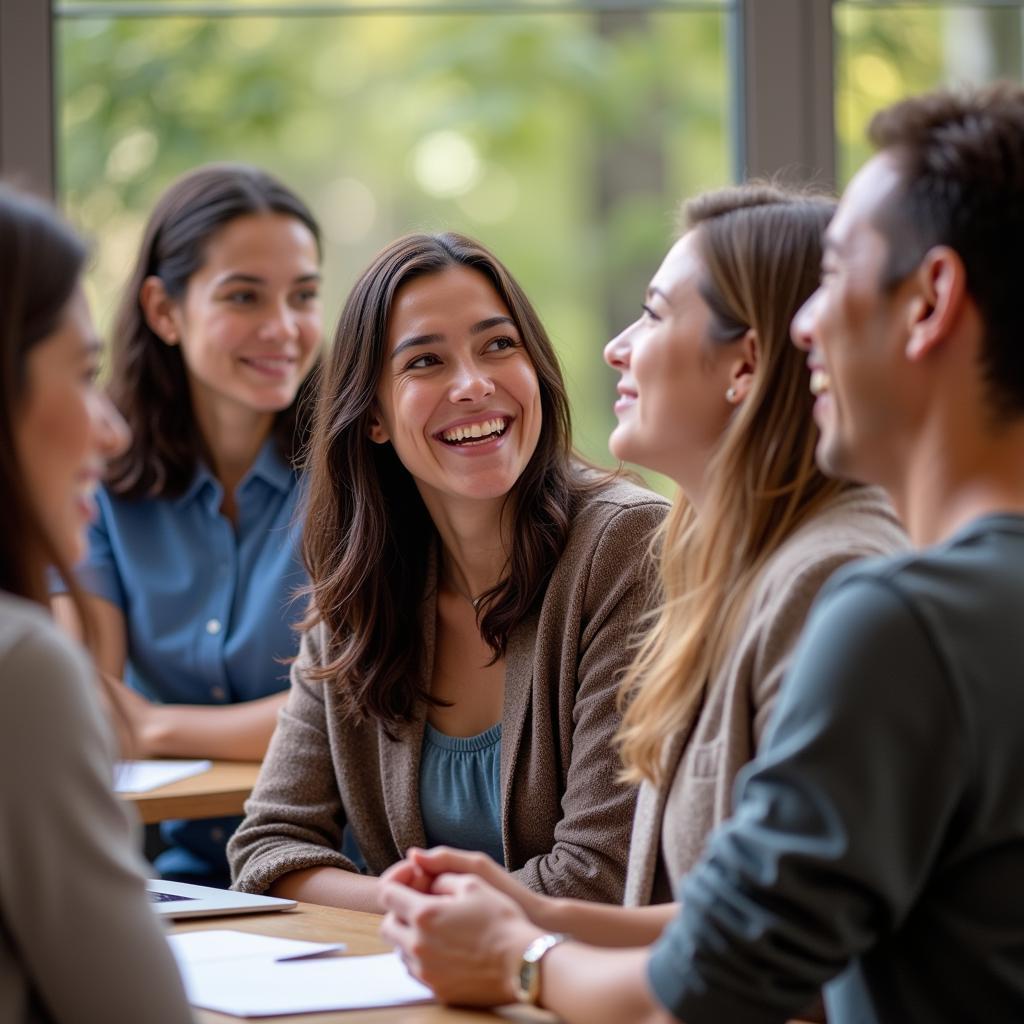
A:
(419, 340)
(256, 279)
(651, 291)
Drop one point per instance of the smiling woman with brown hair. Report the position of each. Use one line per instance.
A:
(474, 590)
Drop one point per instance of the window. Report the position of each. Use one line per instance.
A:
(886, 51)
(561, 135)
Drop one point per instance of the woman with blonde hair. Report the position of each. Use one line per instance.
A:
(712, 393)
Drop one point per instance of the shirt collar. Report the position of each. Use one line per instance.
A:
(269, 467)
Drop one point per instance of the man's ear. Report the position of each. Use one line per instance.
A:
(377, 431)
(743, 368)
(936, 306)
(160, 311)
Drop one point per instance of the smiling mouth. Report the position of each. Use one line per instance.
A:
(820, 382)
(475, 433)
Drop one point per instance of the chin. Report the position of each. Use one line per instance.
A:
(620, 447)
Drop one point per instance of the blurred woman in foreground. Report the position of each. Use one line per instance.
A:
(79, 942)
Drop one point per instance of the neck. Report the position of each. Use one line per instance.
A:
(234, 436)
(950, 480)
(475, 538)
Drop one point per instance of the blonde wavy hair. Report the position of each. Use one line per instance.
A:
(761, 250)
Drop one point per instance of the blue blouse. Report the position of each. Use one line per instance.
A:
(209, 607)
(460, 790)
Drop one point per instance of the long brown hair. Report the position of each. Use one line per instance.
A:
(368, 535)
(761, 251)
(41, 262)
(148, 379)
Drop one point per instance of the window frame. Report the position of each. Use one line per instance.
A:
(781, 68)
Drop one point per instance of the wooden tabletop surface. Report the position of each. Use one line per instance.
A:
(361, 934)
(212, 794)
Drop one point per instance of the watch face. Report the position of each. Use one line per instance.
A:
(529, 967)
(529, 975)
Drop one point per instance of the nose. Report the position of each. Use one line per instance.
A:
(618, 350)
(801, 330)
(112, 433)
(471, 383)
(281, 324)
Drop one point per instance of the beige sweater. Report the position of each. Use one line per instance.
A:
(79, 943)
(565, 820)
(673, 820)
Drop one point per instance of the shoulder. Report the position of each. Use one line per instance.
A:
(616, 509)
(43, 671)
(856, 524)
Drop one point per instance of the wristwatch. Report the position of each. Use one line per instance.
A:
(528, 981)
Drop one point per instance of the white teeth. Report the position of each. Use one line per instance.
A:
(472, 431)
(820, 382)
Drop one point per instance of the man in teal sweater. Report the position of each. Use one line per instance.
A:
(877, 848)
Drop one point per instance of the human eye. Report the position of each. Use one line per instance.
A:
(307, 296)
(503, 344)
(423, 362)
(647, 313)
(90, 373)
(242, 297)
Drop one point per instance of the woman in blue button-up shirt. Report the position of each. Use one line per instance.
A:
(192, 563)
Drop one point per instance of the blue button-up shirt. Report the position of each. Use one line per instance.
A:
(209, 605)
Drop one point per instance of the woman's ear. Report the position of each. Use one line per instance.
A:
(160, 310)
(377, 431)
(742, 368)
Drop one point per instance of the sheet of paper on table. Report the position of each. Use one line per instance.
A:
(258, 976)
(142, 776)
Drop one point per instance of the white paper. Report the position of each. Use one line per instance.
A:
(255, 987)
(142, 776)
(193, 949)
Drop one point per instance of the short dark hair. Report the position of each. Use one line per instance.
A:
(41, 261)
(148, 381)
(368, 535)
(960, 156)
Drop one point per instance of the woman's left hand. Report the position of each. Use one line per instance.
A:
(464, 939)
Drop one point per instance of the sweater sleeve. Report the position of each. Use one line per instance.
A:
(71, 885)
(591, 841)
(294, 818)
(836, 823)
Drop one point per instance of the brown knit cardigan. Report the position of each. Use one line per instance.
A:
(565, 820)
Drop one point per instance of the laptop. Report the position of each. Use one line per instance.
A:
(182, 899)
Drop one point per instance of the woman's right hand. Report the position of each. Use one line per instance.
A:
(421, 867)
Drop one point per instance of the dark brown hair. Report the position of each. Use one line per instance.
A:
(960, 156)
(41, 261)
(368, 535)
(148, 379)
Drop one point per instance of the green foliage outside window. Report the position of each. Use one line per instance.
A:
(563, 141)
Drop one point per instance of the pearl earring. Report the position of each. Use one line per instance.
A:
(730, 394)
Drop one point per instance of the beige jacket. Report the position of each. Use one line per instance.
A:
(673, 820)
(565, 820)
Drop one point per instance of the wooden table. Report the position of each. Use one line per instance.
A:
(361, 934)
(220, 791)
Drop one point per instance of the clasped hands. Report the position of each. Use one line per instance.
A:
(460, 922)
